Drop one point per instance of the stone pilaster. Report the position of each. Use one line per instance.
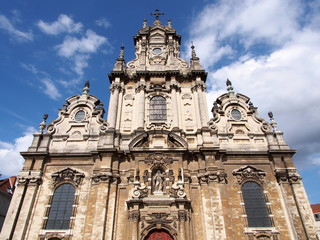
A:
(197, 108)
(134, 217)
(175, 117)
(140, 91)
(24, 197)
(120, 100)
(113, 105)
(182, 215)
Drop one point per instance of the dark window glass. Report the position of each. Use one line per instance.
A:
(80, 116)
(158, 109)
(236, 114)
(255, 205)
(61, 207)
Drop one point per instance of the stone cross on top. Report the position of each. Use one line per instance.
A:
(157, 14)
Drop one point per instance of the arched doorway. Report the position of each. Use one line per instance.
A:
(158, 234)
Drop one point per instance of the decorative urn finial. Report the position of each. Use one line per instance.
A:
(273, 123)
(86, 89)
(144, 25)
(193, 52)
(42, 125)
(230, 88)
(169, 24)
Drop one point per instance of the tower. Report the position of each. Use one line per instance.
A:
(159, 167)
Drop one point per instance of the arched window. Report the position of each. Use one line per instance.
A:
(255, 205)
(158, 109)
(61, 207)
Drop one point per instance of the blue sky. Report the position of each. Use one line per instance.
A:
(269, 49)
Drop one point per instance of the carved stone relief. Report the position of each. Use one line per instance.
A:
(105, 177)
(213, 176)
(67, 174)
(287, 176)
(249, 173)
(158, 158)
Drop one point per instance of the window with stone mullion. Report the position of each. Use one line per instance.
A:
(158, 109)
(255, 205)
(61, 207)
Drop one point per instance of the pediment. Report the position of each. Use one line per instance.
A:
(249, 173)
(67, 174)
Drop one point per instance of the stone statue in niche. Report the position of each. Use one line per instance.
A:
(158, 182)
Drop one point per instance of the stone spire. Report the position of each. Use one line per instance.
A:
(120, 62)
(194, 61)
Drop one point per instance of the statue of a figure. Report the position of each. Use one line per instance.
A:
(158, 180)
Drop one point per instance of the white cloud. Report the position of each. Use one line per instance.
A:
(283, 79)
(48, 86)
(79, 50)
(8, 27)
(222, 24)
(102, 22)
(50, 89)
(10, 159)
(64, 23)
(88, 44)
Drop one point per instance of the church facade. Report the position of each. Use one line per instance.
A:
(159, 167)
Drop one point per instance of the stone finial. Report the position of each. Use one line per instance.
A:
(86, 89)
(65, 106)
(42, 125)
(230, 88)
(193, 52)
(169, 24)
(120, 62)
(273, 123)
(144, 25)
(194, 61)
(121, 55)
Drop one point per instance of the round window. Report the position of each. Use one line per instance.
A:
(156, 50)
(80, 116)
(236, 114)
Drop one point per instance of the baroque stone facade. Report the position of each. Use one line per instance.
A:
(159, 167)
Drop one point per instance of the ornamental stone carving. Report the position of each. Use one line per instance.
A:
(248, 173)
(218, 176)
(139, 192)
(134, 216)
(140, 87)
(177, 191)
(197, 86)
(182, 215)
(29, 180)
(67, 174)
(115, 86)
(158, 218)
(287, 176)
(105, 177)
(158, 159)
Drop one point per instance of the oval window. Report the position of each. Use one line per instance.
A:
(156, 51)
(80, 116)
(236, 114)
